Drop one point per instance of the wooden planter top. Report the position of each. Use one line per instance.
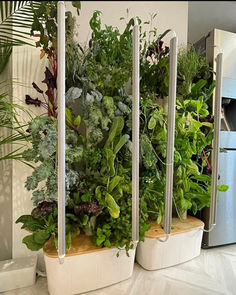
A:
(81, 244)
(178, 227)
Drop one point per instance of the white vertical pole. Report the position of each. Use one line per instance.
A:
(216, 147)
(170, 135)
(135, 135)
(61, 128)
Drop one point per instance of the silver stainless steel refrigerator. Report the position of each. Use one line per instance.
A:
(225, 230)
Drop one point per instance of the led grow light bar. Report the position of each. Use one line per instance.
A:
(216, 139)
(135, 134)
(61, 128)
(170, 137)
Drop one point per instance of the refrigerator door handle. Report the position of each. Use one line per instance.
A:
(215, 146)
(170, 137)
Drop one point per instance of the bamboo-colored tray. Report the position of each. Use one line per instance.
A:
(81, 244)
(178, 227)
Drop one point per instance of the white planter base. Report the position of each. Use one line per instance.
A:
(17, 273)
(183, 244)
(87, 270)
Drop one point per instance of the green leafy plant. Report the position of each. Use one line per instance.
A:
(9, 119)
(99, 139)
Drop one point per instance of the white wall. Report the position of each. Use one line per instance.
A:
(204, 16)
(5, 179)
(26, 68)
(170, 15)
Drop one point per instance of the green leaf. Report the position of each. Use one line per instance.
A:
(69, 119)
(98, 193)
(107, 244)
(123, 140)
(208, 124)
(68, 241)
(114, 182)
(41, 236)
(112, 206)
(85, 219)
(30, 223)
(86, 197)
(152, 123)
(198, 87)
(100, 239)
(77, 4)
(193, 169)
(24, 219)
(116, 128)
(185, 204)
(31, 244)
(222, 187)
(77, 121)
(159, 217)
(202, 177)
(108, 165)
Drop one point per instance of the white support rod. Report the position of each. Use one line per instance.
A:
(170, 136)
(216, 146)
(61, 128)
(135, 135)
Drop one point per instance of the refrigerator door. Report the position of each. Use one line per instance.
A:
(228, 140)
(225, 229)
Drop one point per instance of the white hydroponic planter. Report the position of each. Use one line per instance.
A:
(86, 267)
(183, 244)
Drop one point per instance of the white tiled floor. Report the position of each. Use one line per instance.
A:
(213, 272)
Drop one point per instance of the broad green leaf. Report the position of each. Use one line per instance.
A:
(98, 193)
(77, 121)
(152, 123)
(100, 239)
(24, 218)
(195, 186)
(31, 243)
(208, 124)
(193, 169)
(202, 177)
(222, 187)
(114, 182)
(108, 167)
(41, 236)
(112, 206)
(198, 87)
(107, 244)
(86, 197)
(159, 218)
(68, 241)
(116, 128)
(69, 119)
(123, 140)
(185, 204)
(77, 4)
(30, 223)
(85, 219)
